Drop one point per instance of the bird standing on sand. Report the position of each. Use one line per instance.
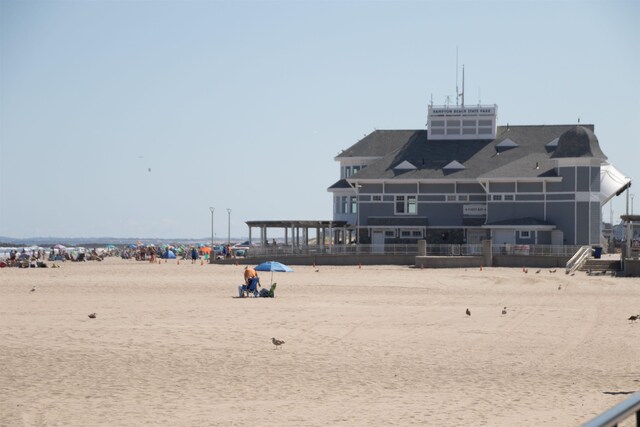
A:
(559, 287)
(92, 316)
(276, 342)
(33, 289)
(468, 312)
(634, 318)
(538, 271)
(504, 310)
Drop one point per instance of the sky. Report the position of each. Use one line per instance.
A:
(133, 118)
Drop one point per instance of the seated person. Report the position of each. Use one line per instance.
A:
(249, 273)
(252, 287)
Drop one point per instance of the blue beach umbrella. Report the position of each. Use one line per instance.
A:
(273, 266)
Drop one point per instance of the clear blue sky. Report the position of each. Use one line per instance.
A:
(245, 104)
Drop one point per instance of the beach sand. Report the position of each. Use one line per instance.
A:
(377, 345)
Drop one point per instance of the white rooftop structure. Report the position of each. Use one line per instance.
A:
(461, 122)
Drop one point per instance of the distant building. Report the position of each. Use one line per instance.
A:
(465, 179)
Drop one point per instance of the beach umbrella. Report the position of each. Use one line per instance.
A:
(273, 266)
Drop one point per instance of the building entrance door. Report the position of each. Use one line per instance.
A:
(504, 237)
(475, 237)
(377, 241)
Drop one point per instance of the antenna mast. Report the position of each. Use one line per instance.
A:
(462, 94)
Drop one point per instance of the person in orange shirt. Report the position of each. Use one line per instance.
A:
(249, 273)
(250, 278)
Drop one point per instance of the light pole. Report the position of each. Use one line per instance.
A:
(357, 187)
(632, 196)
(229, 226)
(212, 209)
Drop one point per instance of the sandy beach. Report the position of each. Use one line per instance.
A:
(377, 345)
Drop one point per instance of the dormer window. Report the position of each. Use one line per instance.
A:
(406, 165)
(454, 165)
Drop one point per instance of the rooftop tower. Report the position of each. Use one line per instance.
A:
(456, 123)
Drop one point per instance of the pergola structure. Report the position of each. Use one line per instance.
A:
(296, 233)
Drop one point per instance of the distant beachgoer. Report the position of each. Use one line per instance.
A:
(194, 255)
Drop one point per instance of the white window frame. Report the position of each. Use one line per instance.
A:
(525, 234)
(406, 204)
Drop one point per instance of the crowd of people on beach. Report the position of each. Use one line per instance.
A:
(37, 256)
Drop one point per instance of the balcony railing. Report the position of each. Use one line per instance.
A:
(411, 249)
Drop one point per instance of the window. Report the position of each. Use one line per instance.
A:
(405, 233)
(356, 169)
(389, 233)
(496, 197)
(451, 198)
(376, 198)
(508, 196)
(345, 205)
(463, 198)
(417, 233)
(354, 204)
(406, 205)
(525, 234)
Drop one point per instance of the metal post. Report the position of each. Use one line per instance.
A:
(212, 209)
(357, 187)
(632, 196)
(229, 226)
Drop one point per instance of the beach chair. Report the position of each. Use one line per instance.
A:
(252, 288)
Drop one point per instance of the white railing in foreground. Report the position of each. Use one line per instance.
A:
(578, 259)
(619, 412)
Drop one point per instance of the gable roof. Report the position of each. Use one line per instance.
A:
(481, 158)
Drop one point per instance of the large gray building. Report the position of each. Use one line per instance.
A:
(465, 179)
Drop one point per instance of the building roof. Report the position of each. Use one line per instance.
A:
(525, 154)
(378, 144)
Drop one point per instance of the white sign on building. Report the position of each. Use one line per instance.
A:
(474, 210)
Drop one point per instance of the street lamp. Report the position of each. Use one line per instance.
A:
(632, 196)
(229, 226)
(212, 209)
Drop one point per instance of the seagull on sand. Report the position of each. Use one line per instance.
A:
(276, 342)
(504, 310)
(468, 312)
(559, 287)
(33, 289)
(92, 316)
(634, 318)
(538, 271)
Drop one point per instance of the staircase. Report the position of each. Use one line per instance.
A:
(601, 266)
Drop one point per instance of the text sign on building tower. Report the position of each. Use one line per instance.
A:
(478, 122)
